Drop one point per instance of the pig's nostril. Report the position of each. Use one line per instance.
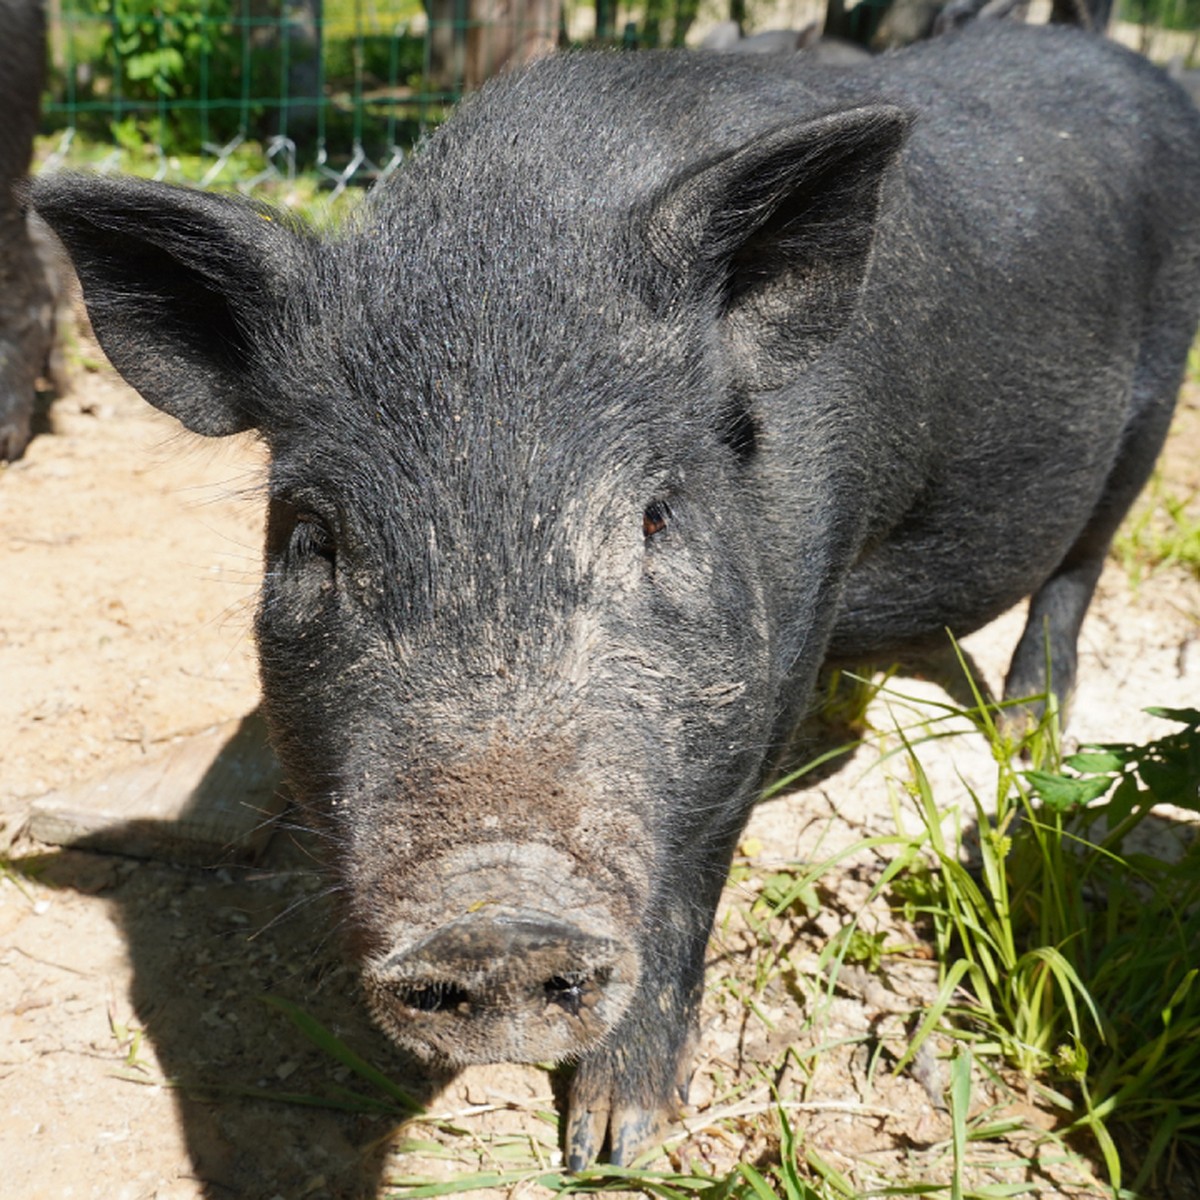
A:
(570, 990)
(566, 991)
(433, 997)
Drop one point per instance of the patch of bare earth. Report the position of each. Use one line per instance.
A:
(134, 1043)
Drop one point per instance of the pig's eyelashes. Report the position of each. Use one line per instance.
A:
(655, 519)
(311, 538)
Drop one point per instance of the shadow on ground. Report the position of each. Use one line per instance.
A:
(265, 1113)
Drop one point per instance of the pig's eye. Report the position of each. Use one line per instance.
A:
(311, 538)
(655, 519)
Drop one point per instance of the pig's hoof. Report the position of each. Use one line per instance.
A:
(1020, 724)
(14, 437)
(624, 1106)
(1017, 723)
(630, 1130)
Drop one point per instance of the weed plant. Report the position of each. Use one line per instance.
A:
(1075, 946)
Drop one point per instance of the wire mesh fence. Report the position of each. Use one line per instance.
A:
(250, 92)
(240, 91)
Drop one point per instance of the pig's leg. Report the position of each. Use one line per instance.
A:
(1051, 633)
(632, 1086)
(1057, 609)
(25, 307)
(25, 331)
(630, 1089)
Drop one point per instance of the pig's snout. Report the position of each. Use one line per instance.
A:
(504, 984)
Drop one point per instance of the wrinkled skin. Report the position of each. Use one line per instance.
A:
(26, 306)
(651, 383)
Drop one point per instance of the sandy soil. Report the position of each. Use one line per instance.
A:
(134, 1041)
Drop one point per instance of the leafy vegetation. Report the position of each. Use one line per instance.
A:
(179, 79)
(1165, 14)
(1078, 949)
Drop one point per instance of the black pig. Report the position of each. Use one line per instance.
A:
(652, 381)
(26, 305)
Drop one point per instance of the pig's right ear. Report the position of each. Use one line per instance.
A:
(180, 286)
(780, 230)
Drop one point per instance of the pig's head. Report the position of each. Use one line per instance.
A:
(519, 650)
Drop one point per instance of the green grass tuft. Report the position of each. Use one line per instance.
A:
(1077, 951)
(1163, 531)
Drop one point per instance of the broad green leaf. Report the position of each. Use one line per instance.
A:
(1096, 762)
(1063, 794)
(1186, 716)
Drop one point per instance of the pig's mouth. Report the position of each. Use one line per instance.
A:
(503, 984)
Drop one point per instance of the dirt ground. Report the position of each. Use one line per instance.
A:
(134, 1041)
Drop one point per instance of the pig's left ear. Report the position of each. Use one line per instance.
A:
(181, 287)
(781, 229)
